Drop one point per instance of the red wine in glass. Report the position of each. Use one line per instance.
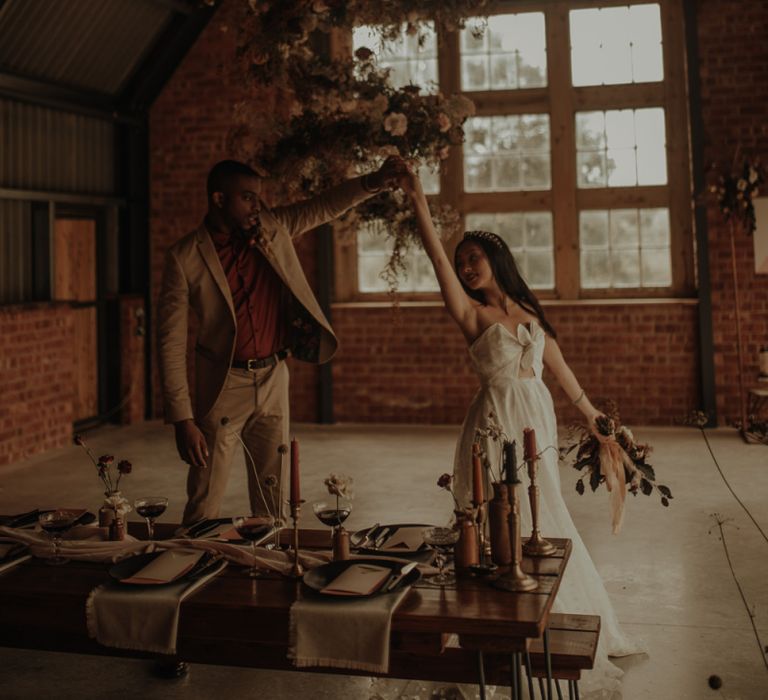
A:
(150, 508)
(56, 523)
(154, 510)
(253, 528)
(333, 516)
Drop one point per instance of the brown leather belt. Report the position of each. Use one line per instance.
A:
(262, 363)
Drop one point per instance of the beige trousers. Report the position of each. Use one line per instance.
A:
(256, 406)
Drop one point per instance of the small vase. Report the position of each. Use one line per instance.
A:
(340, 544)
(498, 514)
(114, 505)
(466, 552)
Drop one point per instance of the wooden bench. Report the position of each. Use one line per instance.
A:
(572, 642)
(572, 645)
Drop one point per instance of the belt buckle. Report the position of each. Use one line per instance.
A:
(252, 365)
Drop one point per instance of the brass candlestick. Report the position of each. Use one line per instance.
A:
(536, 546)
(298, 570)
(515, 579)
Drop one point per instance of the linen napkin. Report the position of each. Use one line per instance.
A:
(144, 618)
(12, 554)
(350, 634)
(405, 539)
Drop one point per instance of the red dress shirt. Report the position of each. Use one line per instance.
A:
(259, 296)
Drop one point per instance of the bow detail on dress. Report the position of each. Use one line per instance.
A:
(525, 338)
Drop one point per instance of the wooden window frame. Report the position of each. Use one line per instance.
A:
(561, 100)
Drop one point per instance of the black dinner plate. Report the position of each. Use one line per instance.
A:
(320, 577)
(128, 567)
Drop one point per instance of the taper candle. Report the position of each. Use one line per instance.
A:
(510, 463)
(529, 443)
(477, 475)
(295, 487)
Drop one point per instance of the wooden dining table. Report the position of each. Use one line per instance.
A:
(238, 621)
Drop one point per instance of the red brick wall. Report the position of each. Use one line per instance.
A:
(37, 374)
(734, 94)
(412, 366)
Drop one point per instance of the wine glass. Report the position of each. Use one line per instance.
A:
(55, 523)
(332, 513)
(442, 540)
(252, 528)
(150, 508)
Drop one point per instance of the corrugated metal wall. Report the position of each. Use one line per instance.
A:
(90, 44)
(15, 251)
(46, 149)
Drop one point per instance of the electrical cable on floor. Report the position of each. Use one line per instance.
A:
(720, 522)
(738, 500)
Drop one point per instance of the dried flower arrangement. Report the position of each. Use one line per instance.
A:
(618, 461)
(345, 115)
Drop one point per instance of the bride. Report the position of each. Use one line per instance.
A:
(510, 342)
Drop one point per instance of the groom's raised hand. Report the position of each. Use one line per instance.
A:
(389, 174)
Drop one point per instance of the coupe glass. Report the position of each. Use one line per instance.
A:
(150, 508)
(253, 528)
(442, 540)
(332, 512)
(55, 524)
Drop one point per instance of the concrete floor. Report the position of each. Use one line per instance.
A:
(667, 571)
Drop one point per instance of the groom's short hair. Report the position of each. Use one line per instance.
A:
(223, 172)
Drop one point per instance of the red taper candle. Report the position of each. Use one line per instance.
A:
(295, 487)
(477, 475)
(529, 443)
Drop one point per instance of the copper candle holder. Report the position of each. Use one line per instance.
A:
(297, 571)
(536, 546)
(515, 579)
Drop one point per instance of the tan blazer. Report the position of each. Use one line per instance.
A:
(193, 278)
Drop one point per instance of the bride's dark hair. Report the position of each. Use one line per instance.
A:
(505, 273)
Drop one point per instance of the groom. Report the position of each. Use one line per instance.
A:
(239, 273)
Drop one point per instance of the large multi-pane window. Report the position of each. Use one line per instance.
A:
(577, 155)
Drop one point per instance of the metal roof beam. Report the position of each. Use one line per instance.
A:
(55, 96)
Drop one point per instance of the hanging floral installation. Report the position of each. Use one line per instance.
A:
(345, 114)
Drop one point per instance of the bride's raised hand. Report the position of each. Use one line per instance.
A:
(409, 181)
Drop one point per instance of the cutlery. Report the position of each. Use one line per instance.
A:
(398, 577)
(368, 535)
(203, 527)
(24, 519)
(382, 537)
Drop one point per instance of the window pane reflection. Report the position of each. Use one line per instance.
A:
(621, 148)
(614, 45)
(623, 248)
(507, 153)
(510, 54)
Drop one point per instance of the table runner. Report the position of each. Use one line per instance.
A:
(144, 618)
(351, 634)
(94, 549)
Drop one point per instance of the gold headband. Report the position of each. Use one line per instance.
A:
(485, 236)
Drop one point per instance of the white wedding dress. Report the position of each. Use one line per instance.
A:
(499, 358)
(510, 367)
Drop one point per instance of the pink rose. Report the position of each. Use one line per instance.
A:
(396, 123)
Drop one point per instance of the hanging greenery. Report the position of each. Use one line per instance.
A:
(346, 116)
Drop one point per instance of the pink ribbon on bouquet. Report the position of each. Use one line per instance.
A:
(612, 459)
